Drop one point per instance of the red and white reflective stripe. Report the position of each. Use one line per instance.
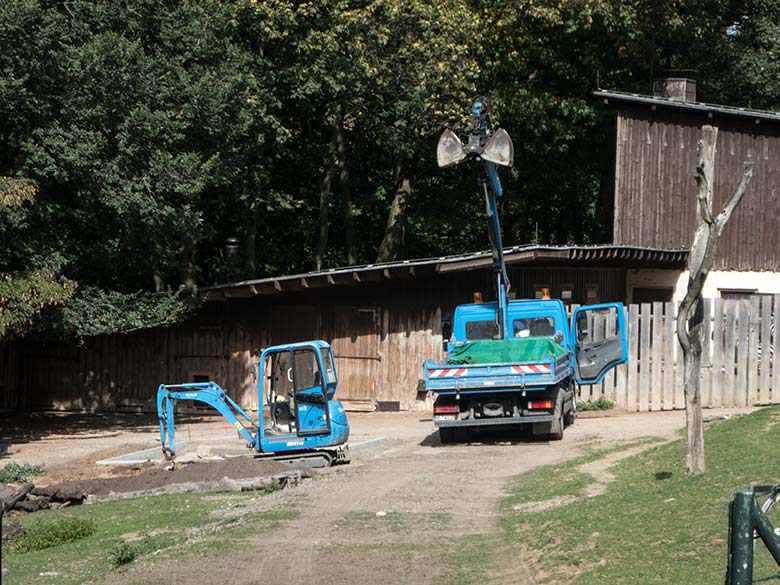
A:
(449, 372)
(536, 369)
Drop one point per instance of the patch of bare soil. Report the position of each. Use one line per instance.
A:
(599, 469)
(542, 505)
(156, 477)
(403, 512)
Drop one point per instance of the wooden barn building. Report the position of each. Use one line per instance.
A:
(383, 320)
(656, 139)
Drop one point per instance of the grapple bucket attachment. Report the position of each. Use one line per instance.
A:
(498, 149)
(450, 150)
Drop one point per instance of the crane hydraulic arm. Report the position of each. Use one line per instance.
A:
(492, 148)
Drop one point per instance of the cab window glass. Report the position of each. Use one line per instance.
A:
(330, 369)
(281, 373)
(596, 325)
(533, 327)
(307, 370)
(481, 330)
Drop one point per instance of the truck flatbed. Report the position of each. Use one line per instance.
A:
(442, 377)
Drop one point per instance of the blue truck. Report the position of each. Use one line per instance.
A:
(514, 362)
(540, 388)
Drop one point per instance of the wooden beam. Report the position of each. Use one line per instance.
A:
(464, 264)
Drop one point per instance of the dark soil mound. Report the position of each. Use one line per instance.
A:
(233, 468)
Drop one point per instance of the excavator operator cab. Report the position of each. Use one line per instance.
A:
(296, 383)
(301, 380)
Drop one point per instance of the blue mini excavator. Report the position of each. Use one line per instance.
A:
(306, 426)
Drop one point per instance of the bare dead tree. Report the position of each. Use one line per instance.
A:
(691, 313)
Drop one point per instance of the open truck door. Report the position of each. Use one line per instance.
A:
(599, 334)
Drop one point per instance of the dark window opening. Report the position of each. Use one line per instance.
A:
(738, 294)
(651, 294)
(481, 330)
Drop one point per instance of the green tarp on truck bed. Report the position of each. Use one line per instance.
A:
(499, 351)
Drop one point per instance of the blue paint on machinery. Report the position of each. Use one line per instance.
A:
(305, 421)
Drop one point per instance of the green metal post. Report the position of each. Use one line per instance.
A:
(767, 533)
(741, 545)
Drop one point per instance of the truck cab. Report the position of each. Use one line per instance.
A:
(536, 383)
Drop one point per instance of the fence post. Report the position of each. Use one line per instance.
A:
(670, 341)
(740, 565)
(644, 358)
(752, 363)
(657, 340)
(633, 344)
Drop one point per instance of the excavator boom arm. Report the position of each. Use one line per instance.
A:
(209, 393)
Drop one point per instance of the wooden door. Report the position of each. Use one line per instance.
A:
(356, 349)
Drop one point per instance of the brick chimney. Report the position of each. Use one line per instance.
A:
(676, 85)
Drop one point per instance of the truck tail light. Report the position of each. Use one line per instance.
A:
(443, 409)
(540, 405)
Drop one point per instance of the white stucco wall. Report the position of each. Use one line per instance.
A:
(762, 282)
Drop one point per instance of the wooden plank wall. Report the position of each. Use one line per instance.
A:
(9, 375)
(379, 352)
(655, 202)
(739, 364)
(381, 349)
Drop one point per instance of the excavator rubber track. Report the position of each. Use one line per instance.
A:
(310, 459)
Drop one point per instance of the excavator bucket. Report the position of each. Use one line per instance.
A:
(498, 148)
(450, 149)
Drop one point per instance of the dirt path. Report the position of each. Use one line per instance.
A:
(398, 512)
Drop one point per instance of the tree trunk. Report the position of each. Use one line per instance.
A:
(159, 283)
(187, 266)
(249, 237)
(346, 194)
(694, 422)
(322, 246)
(392, 243)
(691, 313)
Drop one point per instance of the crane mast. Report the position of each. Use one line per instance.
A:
(493, 148)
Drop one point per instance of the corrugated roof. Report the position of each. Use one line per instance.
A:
(607, 254)
(697, 107)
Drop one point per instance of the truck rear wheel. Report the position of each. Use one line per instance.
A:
(571, 415)
(557, 426)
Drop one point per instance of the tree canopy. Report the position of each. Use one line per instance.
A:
(137, 137)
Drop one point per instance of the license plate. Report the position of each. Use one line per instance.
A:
(445, 417)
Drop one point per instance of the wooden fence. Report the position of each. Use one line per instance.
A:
(380, 357)
(739, 367)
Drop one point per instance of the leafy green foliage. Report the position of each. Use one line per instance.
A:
(17, 472)
(122, 553)
(136, 137)
(24, 297)
(48, 534)
(600, 403)
(94, 311)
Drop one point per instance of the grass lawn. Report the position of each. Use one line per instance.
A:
(168, 526)
(654, 524)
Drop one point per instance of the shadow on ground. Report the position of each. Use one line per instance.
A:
(515, 436)
(18, 428)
